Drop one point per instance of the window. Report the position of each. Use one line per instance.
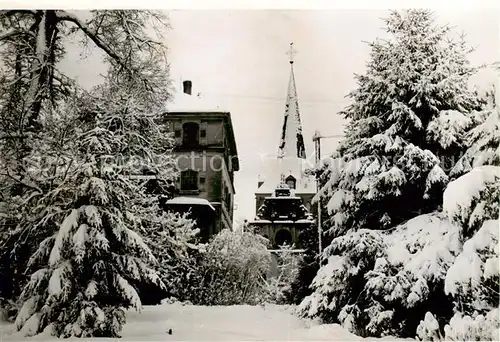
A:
(228, 200)
(202, 183)
(189, 180)
(190, 133)
(283, 237)
(178, 133)
(203, 133)
(290, 181)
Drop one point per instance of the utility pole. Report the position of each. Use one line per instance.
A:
(317, 152)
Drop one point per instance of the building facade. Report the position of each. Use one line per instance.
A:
(207, 159)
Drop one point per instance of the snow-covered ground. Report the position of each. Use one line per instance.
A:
(215, 323)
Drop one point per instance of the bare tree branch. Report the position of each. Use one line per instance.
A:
(8, 13)
(65, 16)
(13, 33)
(34, 187)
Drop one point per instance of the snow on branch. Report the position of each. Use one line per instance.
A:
(461, 194)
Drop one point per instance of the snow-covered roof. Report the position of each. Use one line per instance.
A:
(261, 221)
(185, 103)
(304, 221)
(274, 168)
(182, 200)
(286, 251)
(284, 197)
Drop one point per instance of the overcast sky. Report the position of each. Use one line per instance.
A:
(239, 58)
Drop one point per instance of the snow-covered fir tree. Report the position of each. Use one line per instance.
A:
(410, 108)
(471, 202)
(473, 279)
(87, 269)
(84, 273)
(35, 132)
(408, 124)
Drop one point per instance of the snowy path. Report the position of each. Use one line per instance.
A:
(224, 323)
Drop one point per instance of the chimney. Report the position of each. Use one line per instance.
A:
(187, 87)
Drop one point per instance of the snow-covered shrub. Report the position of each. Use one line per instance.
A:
(231, 269)
(172, 238)
(474, 328)
(277, 289)
(478, 327)
(8, 310)
(428, 329)
(340, 281)
(462, 328)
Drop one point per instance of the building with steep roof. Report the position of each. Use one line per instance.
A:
(284, 192)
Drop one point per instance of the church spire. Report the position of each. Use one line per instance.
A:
(292, 142)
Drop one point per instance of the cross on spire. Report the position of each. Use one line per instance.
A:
(291, 143)
(291, 52)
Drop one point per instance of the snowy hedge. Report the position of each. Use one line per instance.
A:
(229, 270)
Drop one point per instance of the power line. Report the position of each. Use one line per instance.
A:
(271, 98)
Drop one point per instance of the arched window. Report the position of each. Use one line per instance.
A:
(189, 180)
(190, 136)
(283, 237)
(291, 182)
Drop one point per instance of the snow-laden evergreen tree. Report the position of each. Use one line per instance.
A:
(471, 203)
(85, 273)
(411, 108)
(33, 133)
(342, 274)
(28, 215)
(408, 124)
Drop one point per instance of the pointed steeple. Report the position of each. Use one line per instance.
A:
(292, 141)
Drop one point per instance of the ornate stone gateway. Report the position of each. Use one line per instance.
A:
(281, 218)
